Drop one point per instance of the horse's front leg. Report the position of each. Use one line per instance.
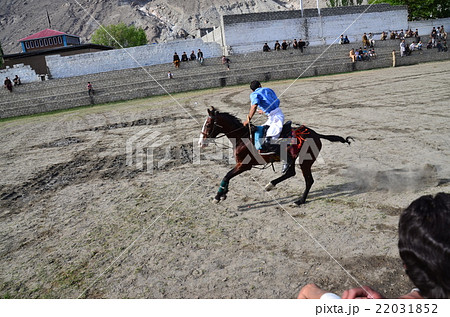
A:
(223, 189)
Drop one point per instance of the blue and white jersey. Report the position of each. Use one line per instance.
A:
(266, 99)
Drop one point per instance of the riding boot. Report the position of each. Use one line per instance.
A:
(287, 164)
(267, 148)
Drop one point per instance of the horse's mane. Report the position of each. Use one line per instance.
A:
(232, 118)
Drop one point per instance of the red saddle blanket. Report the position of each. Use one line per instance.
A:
(300, 134)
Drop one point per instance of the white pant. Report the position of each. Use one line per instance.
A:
(275, 122)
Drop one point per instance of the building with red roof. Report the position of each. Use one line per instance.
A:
(46, 39)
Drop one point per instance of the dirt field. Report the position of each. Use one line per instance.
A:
(77, 221)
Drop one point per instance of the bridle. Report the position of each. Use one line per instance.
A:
(214, 123)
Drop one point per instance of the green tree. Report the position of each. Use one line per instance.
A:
(119, 36)
(343, 3)
(422, 9)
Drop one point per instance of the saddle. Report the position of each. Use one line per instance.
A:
(260, 133)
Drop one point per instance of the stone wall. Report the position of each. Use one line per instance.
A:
(133, 57)
(317, 30)
(25, 73)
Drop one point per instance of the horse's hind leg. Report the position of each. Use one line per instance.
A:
(289, 173)
(309, 181)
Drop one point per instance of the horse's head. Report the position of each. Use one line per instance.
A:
(210, 128)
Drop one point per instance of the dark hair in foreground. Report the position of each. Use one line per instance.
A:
(255, 85)
(424, 244)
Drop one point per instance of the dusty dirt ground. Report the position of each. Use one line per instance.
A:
(76, 221)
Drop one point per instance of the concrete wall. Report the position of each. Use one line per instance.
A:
(324, 29)
(145, 55)
(426, 26)
(26, 74)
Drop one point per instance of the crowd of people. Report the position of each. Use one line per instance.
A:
(185, 58)
(285, 45)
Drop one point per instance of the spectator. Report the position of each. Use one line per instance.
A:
(416, 35)
(8, 84)
(383, 36)
(176, 60)
(200, 56)
(392, 35)
(352, 55)
(443, 33)
(372, 53)
(226, 61)
(192, 57)
(184, 57)
(371, 40)
(346, 40)
(424, 247)
(402, 48)
(301, 45)
(433, 36)
(430, 44)
(365, 40)
(295, 44)
(439, 46)
(266, 48)
(444, 46)
(401, 35)
(341, 39)
(17, 81)
(412, 46)
(169, 75)
(393, 58)
(90, 89)
(419, 45)
(284, 45)
(277, 46)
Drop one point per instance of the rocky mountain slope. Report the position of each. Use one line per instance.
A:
(162, 19)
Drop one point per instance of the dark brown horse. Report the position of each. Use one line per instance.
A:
(247, 156)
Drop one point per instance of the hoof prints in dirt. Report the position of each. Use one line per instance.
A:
(60, 143)
(86, 167)
(139, 122)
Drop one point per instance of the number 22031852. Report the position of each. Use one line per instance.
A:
(406, 308)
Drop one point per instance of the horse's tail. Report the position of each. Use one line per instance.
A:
(336, 138)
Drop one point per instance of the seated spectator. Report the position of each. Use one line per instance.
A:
(169, 75)
(266, 48)
(277, 46)
(352, 55)
(401, 35)
(383, 36)
(295, 44)
(392, 36)
(226, 61)
(301, 45)
(412, 46)
(17, 81)
(371, 40)
(284, 45)
(443, 33)
(192, 57)
(424, 247)
(372, 53)
(8, 84)
(341, 39)
(358, 55)
(184, 57)
(176, 60)
(200, 56)
(419, 45)
(365, 40)
(346, 40)
(409, 33)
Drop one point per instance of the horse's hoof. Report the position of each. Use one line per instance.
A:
(298, 202)
(216, 200)
(269, 187)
